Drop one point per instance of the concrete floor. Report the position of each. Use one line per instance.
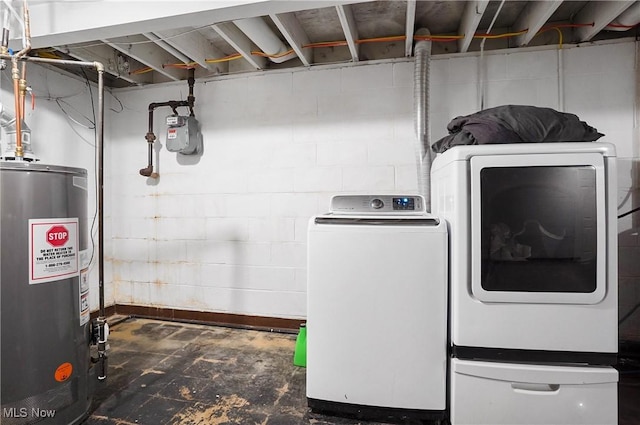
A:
(184, 374)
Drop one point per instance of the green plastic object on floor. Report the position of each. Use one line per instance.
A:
(300, 353)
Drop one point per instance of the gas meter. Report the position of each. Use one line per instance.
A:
(183, 135)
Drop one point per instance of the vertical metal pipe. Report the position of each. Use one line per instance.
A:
(481, 64)
(15, 74)
(102, 320)
(560, 80)
(18, 83)
(422, 53)
(635, 182)
(100, 148)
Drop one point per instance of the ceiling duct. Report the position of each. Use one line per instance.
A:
(421, 82)
(627, 19)
(260, 33)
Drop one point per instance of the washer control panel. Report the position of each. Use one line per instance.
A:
(377, 204)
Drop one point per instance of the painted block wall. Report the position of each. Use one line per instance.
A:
(226, 231)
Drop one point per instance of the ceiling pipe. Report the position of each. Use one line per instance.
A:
(260, 33)
(482, 76)
(627, 19)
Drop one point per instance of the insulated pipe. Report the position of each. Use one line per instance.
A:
(260, 33)
(627, 19)
(422, 53)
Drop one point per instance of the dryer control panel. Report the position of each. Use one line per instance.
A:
(378, 204)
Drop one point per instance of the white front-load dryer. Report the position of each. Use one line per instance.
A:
(533, 242)
(377, 308)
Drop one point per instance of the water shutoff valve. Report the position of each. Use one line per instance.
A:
(183, 135)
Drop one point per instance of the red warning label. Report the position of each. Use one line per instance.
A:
(57, 235)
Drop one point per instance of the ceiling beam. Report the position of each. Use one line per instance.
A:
(158, 41)
(240, 42)
(195, 46)
(534, 15)
(600, 13)
(410, 23)
(146, 52)
(348, 22)
(109, 57)
(56, 22)
(471, 18)
(295, 35)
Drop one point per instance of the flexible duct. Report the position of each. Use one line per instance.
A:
(421, 120)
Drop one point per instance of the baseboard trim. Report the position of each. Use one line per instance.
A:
(205, 317)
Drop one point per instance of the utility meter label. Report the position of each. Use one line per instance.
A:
(53, 249)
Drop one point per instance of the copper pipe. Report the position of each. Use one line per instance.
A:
(19, 153)
(18, 82)
(23, 88)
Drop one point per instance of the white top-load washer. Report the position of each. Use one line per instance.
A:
(377, 307)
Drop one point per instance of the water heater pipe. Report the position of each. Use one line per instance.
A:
(19, 83)
(173, 104)
(422, 53)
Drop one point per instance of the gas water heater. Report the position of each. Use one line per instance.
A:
(46, 333)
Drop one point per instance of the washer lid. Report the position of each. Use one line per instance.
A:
(370, 220)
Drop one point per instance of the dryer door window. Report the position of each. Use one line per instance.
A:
(538, 235)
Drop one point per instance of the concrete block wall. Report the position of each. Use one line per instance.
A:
(226, 231)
